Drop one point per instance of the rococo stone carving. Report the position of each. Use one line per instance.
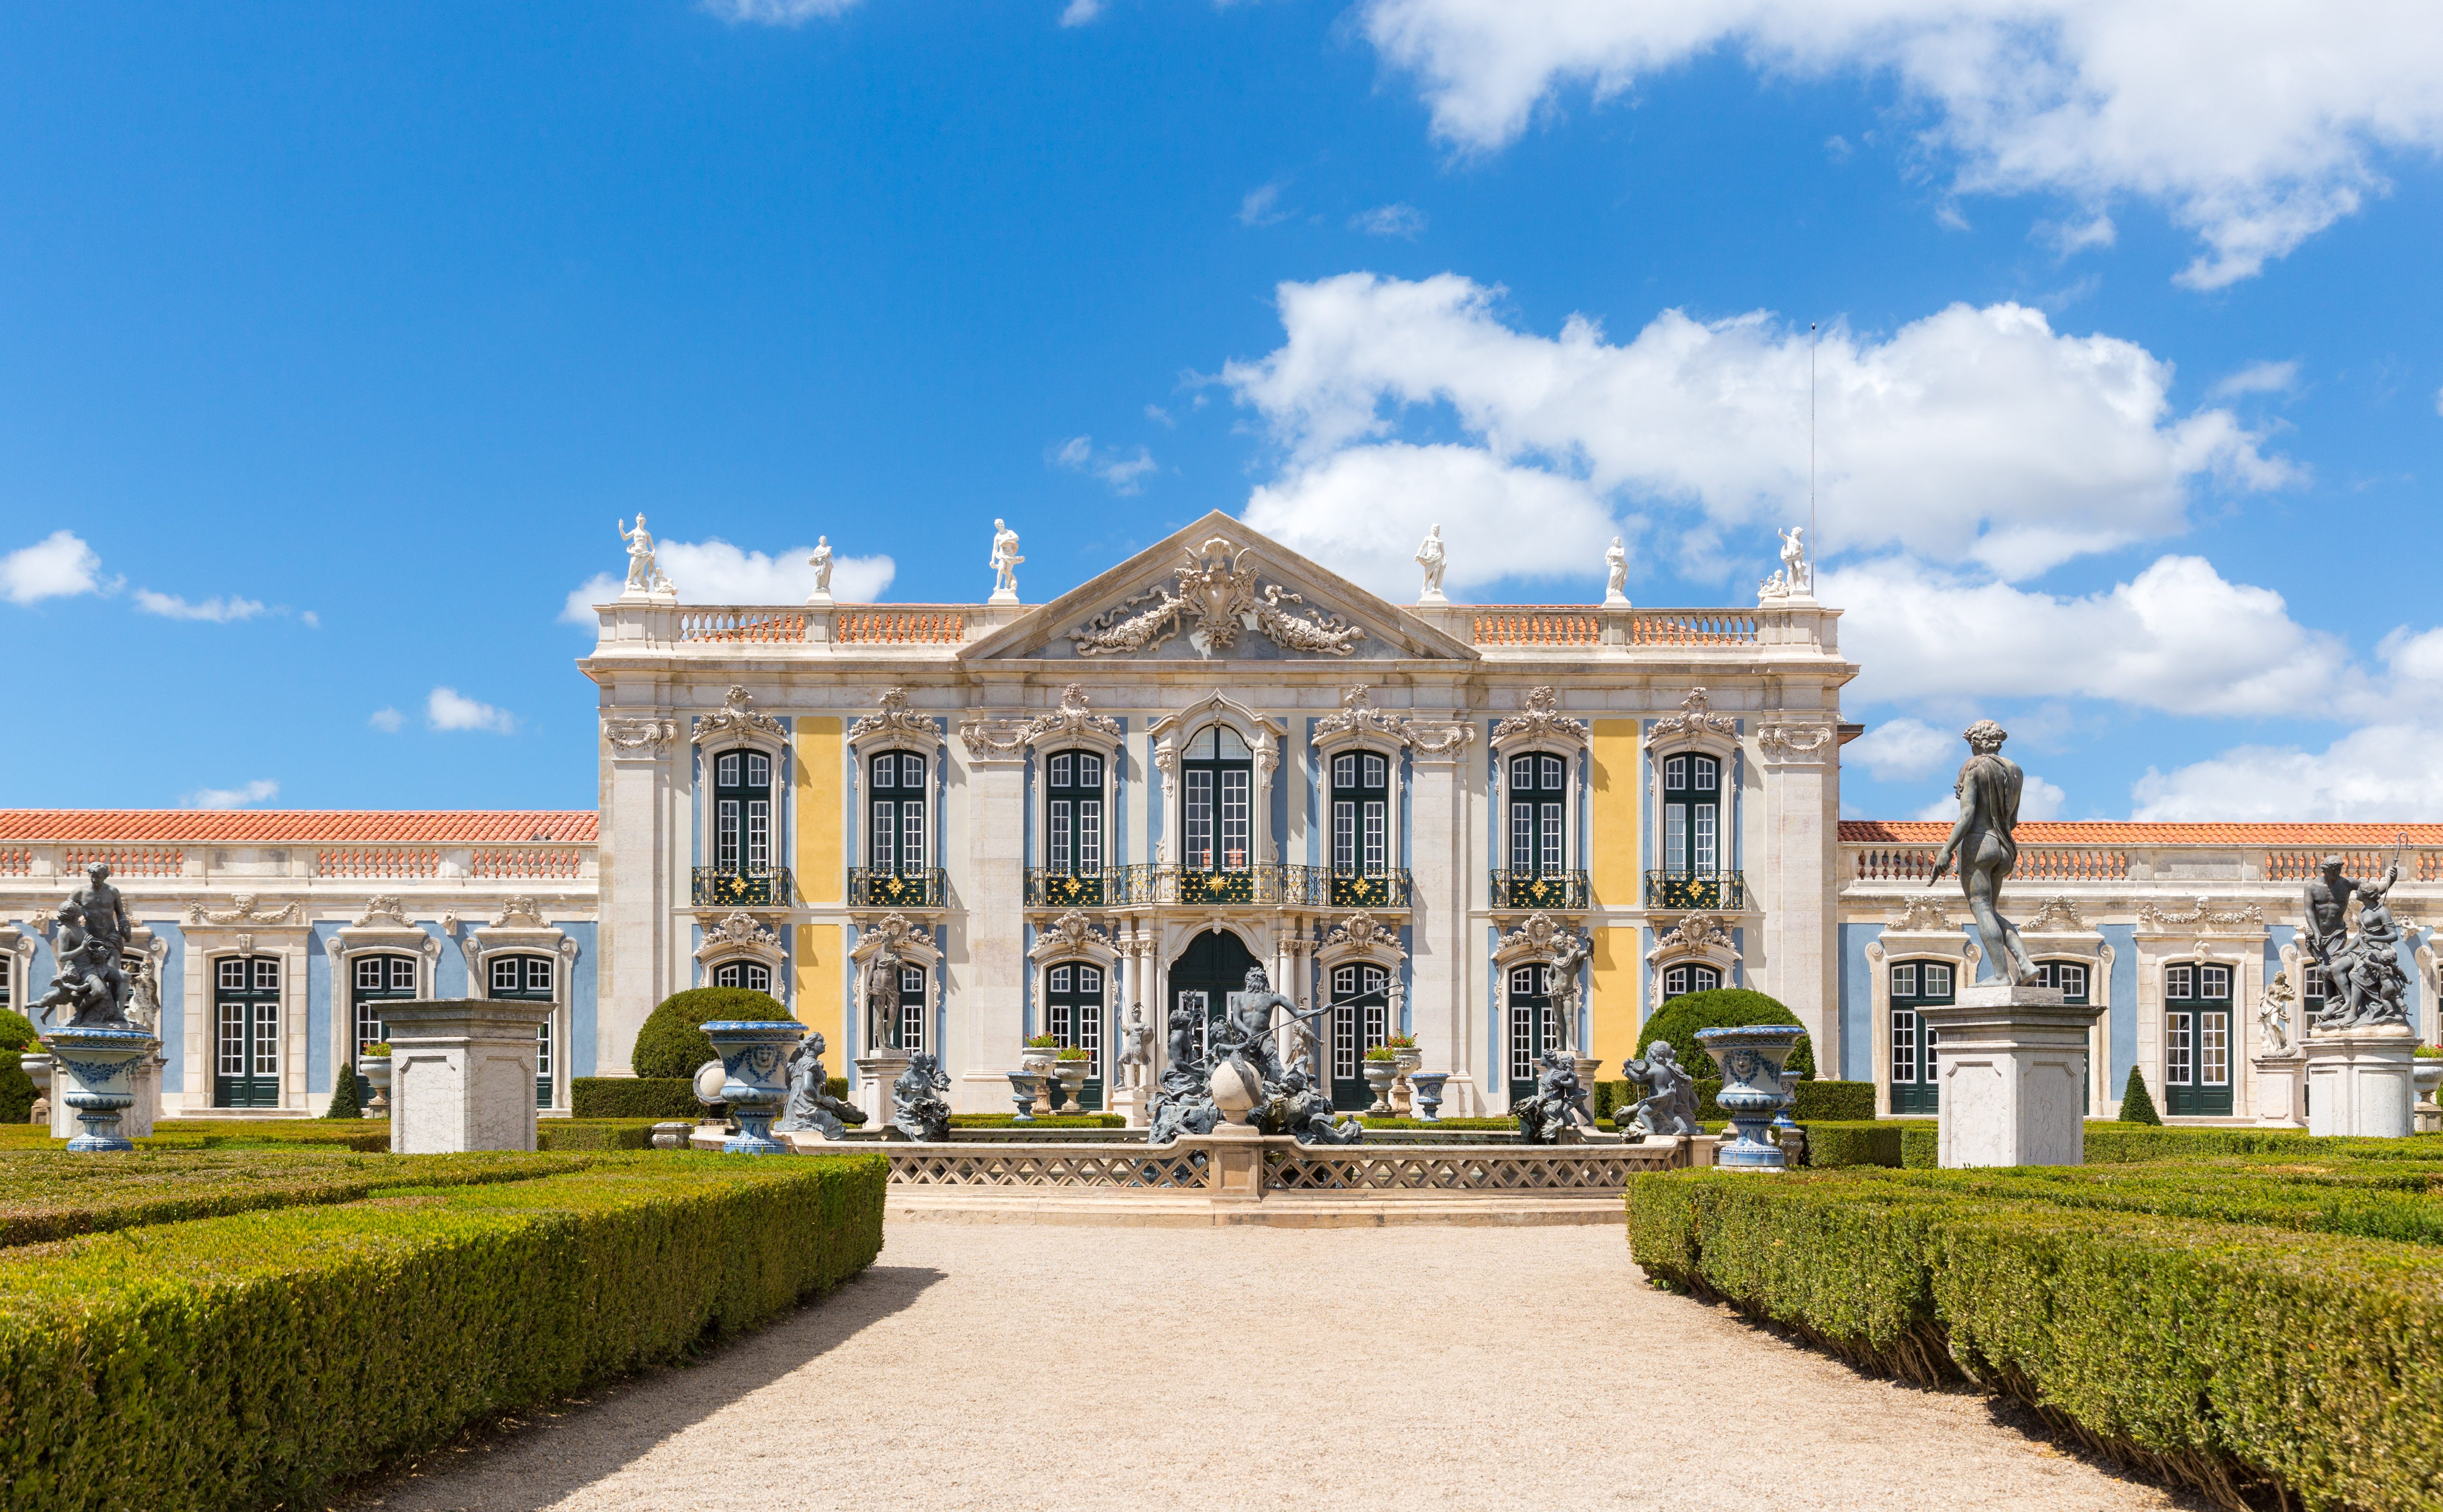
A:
(1220, 594)
(1436, 739)
(1541, 719)
(520, 912)
(1073, 721)
(2154, 920)
(895, 717)
(1367, 933)
(1695, 931)
(1540, 939)
(1696, 716)
(737, 716)
(381, 906)
(1358, 716)
(1920, 916)
(1796, 742)
(740, 929)
(2056, 915)
(245, 912)
(1068, 935)
(993, 739)
(639, 735)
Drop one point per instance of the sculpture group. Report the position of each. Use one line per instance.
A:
(1284, 1096)
(93, 933)
(2364, 987)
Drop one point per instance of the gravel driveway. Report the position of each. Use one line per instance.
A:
(1019, 1367)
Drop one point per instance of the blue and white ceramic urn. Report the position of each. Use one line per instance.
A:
(99, 1065)
(755, 1059)
(1751, 1056)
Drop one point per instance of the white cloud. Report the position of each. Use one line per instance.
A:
(2258, 378)
(313, 621)
(2255, 122)
(386, 720)
(446, 709)
(777, 12)
(58, 566)
(2380, 773)
(714, 572)
(1160, 417)
(1364, 510)
(2073, 237)
(1976, 435)
(1902, 748)
(1389, 220)
(1125, 473)
(1261, 207)
(261, 790)
(1080, 12)
(218, 610)
(2177, 638)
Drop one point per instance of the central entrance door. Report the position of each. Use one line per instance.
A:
(1534, 1027)
(1360, 1013)
(2197, 1041)
(1073, 994)
(1214, 965)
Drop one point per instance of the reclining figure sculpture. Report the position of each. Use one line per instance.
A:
(811, 1104)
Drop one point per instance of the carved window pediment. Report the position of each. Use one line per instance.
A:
(738, 719)
(1539, 723)
(893, 723)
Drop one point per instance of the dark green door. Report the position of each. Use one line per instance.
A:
(245, 1012)
(376, 980)
(2070, 978)
(1073, 829)
(529, 979)
(1914, 985)
(1073, 1000)
(1360, 1020)
(2197, 1041)
(1214, 965)
(1534, 1027)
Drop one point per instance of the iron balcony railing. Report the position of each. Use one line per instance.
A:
(1380, 889)
(1708, 891)
(1046, 888)
(1254, 886)
(761, 888)
(874, 887)
(1539, 889)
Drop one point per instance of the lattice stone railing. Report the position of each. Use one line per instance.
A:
(1523, 1168)
(1047, 1165)
(1192, 1165)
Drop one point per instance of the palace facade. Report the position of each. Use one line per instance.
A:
(952, 827)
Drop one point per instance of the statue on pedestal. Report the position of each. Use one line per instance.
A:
(1616, 572)
(1136, 1049)
(1004, 561)
(2364, 987)
(811, 1104)
(1554, 1111)
(917, 1110)
(1433, 558)
(94, 928)
(1981, 842)
(644, 574)
(821, 562)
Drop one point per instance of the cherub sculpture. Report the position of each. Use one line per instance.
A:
(1671, 1109)
(1552, 1115)
(917, 1108)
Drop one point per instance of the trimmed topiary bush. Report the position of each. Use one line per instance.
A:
(2136, 1106)
(1723, 1008)
(343, 1095)
(17, 1090)
(17, 1032)
(671, 1045)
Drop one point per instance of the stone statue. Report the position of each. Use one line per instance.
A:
(1554, 1113)
(1181, 1103)
(1797, 576)
(89, 985)
(1251, 1025)
(1004, 561)
(1569, 953)
(1981, 840)
(811, 1104)
(1671, 1108)
(1433, 560)
(2327, 899)
(917, 1110)
(882, 1004)
(1298, 1043)
(2366, 987)
(644, 574)
(1616, 573)
(1296, 1106)
(1136, 1048)
(821, 562)
(2273, 1014)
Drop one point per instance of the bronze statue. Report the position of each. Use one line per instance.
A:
(1981, 840)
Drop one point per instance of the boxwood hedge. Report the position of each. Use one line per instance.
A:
(245, 1360)
(1815, 1101)
(2224, 1354)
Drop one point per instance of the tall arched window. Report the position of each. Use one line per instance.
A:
(1538, 800)
(1361, 809)
(741, 812)
(1073, 841)
(529, 979)
(898, 833)
(1072, 1001)
(1692, 816)
(1534, 1025)
(1360, 1020)
(1216, 777)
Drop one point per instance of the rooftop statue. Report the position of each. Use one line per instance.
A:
(811, 1104)
(821, 562)
(917, 1110)
(2364, 987)
(644, 574)
(1671, 1108)
(1616, 572)
(1433, 560)
(1004, 561)
(1980, 840)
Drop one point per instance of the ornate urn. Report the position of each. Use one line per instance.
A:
(1041, 1062)
(1073, 1082)
(1429, 1093)
(1021, 1091)
(2426, 1074)
(99, 1064)
(1379, 1076)
(754, 1062)
(1410, 1061)
(376, 1070)
(1750, 1057)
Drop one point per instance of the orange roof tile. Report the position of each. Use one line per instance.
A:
(354, 827)
(2121, 832)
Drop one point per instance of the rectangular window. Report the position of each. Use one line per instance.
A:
(2179, 982)
(1343, 772)
(1062, 856)
(543, 1050)
(1343, 1024)
(1344, 835)
(758, 771)
(8, 982)
(725, 834)
(1706, 848)
(758, 832)
(1904, 1046)
(1089, 837)
(1551, 848)
(1197, 1012)
(368, 1024)
(724, 772)
(1522, 775)
(2214, 1049)
(1062, 769)
(1199, 822)
(1904, 980)
(911, 837)
(2179, 1048)
(266, 1039)
(1234, 821)
(2213, 982)
(232, 1060)
(912, 1009)
(1675, 775)
(1937, 980)
(1522, 1045)
(1522, 837)
(1090, 771)
(371, 974)
(886, 836)
(1706, 775)
(1374, 818)
(1675, 839)
(507, 975)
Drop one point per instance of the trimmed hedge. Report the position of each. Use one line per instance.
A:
(1723, 1008)
(239, 1362)
(1837, 1101)
(1041, 1121)
(2218, 1353)
(2111, 1144)
(596, 1133)
(651, 1097)
(670, 1043)
(17, 1090)
(1854, 1142)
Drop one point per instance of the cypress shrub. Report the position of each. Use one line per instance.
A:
(670, 1043)
(2136, 1106)
(343, 1094)
(1723, 1008)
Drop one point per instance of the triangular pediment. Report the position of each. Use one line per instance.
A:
(1217, 589)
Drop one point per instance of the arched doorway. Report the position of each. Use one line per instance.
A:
(1214, 965)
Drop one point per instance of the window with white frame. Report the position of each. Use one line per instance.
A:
(741, 812)
(377, 979)
(528, 978)
(898, 836)
(1361, 807)
(1073, 794)
(1539, 799)
(246, 1008)
(2197, 1040)
(1689, 977)
(1217, 777)
(752, 974)
(1692, 816)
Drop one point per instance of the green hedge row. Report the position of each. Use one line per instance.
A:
(1054, 1120)
(1816, 1100)
(2370, 1200)
(241, 1361)
(226, 1134)
(594, 1133)
(17, 1090)
(2219, 1354)
(55, 1195)
(648, 1097)
(2110, 1143)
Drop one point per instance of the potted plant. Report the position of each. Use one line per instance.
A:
(1036, 1058)
(1071, 1066)
(1382, 1070)
(1409, 1059)
(2426, 1074)
(373, 1064)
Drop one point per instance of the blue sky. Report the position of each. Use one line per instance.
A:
(333, 340)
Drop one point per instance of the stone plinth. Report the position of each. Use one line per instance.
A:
(875, 1076)
(1133, 1103)
(2358, 1082)
(2013, 1062)
(2282, 1091)
(461, 1075)
(1237, 1152)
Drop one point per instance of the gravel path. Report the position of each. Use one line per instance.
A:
(1019, 1367)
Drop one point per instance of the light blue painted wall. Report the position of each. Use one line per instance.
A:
(1857, 1005)
(319, 996)
(174, 999)
(2122, 1039)
(583, 979)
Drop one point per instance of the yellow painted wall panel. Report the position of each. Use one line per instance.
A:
(1618, 882)
(822, 954)
(822, 950)
(1614, 967)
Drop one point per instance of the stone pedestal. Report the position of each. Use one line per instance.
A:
(1133, 1103)
(461, 1075)
(2282, 1091)
(2358, 1082)
(875, 1076)
(2013, 1062)
(1237, 1152)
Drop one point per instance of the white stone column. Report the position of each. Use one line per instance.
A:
(2013, 1062)
(1441, 871)
(995, 891)
(640, 864)
(1792, 860)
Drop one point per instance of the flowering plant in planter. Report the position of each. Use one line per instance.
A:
(1044, 1042)
(378, 1048)
(1401, 1042)
(1072, 1052)
(1381, 1052)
